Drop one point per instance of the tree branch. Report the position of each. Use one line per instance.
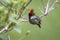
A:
(5, 28)
(46, 9)
(53, 6)
(24, 19)
(49, 9)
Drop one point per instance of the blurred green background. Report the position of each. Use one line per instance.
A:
(50, 27)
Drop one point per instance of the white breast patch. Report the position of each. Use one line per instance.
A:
(33, 17)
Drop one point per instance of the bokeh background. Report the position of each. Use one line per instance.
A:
(50, 25)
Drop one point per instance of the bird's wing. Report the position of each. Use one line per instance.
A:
(35, 19)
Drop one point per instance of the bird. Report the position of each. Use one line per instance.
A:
(34, 19)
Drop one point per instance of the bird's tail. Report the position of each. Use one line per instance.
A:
(39, 25)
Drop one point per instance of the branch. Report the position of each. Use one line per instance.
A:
(43, 5)
(52, 7)
(5, 28)
(49, 9)
(24, 19)
(41, 10)
(46, 9)
(57, 1)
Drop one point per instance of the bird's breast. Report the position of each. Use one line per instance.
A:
(33, 17)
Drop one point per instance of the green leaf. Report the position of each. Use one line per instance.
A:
(8, 1)
(12, 19)
(1, 8)
(17, 29)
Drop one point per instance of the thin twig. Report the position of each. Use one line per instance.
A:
(24, 19)
(52, 7)
(41, 10)
(43, 5)
(23, 8)
(46, 10)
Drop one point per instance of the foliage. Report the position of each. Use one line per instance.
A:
(10, 13)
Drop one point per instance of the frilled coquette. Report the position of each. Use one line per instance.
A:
(34, 19)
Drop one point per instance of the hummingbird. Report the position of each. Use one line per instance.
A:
(34, 19)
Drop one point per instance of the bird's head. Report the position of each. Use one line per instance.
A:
(31, 12)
